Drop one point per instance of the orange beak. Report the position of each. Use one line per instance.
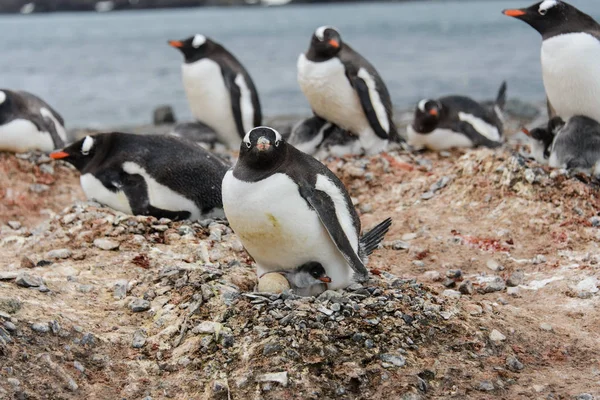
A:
(175, 43)
(433, 112)
(334, 43)
(57, 155)
(526, 131)
(513, 13)
(325, 279)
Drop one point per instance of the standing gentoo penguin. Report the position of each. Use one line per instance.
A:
(570, 57)
(220, 91)
(161, 176)
(288, 209)
(342, 87)
(574, 145)
(28, 123)
(457, 121)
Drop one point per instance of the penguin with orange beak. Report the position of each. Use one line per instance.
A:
(457, 121)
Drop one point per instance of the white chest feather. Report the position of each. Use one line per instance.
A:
(95, 190)
(161, 196)
(21, 135)
(571, 71)
(210, 100)
(537, 151)
(438, 139)
(278, 228)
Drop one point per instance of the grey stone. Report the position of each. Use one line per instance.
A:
(8, 275)
(27, 263)
(207, 327)
(496, 336)
(58, 254)
(78, 366)
(454, 274)
(451, 294)
(515, 279)
(278, 377)
(494, 265)
(139, 305)
(47, 169)
(271, 348)
(466, 287)
(55, 327)
(38, 188)
(427, 195)
(40, 327)
(395, 360)
(595, 221)
(400, 245)
(495, 285)
(120, 289)
(27, 280)
(16, 225)
(106, 244)
(13, 381)
(513, 364)
(10, 305)
(546, 327)
(585, 396)
(139, 338)
(9, 326)
(485, 386)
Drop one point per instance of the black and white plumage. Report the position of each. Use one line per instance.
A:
(457, 121)
(308, 279)
(220, 91)
(570, 57)
(29, 123)
(288, 209)
(343, 88)
(321, 139)
(572, 145)
(160, 176)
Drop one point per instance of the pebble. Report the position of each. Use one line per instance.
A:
(451, 294)
(395, 360)
(16, 225)
(496, 336)
(418, 264)
(106, 244)
(139, 339)
(585, 396)
(10, 305)
(13, 381)
(8, 275)
(78, 366)
(515, 279)
(58, 254)
(474, 309)
(494, 265)
(278, 377)
(427, 195)
(595, 221)
(40, 327)
(449, 283)
(139, 305)
(9, 326)
(409, 236)
(400, 245)
(466, 287)
(38, 188)
(485, 386)
(120, 290)
(454, 274)
(546, 327)
(207, 327)
(495, 285)
(587, 287)
(513, 364)
(513, 291)
(27, 280)
(27, 263)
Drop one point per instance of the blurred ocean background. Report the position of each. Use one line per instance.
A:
(107, 69)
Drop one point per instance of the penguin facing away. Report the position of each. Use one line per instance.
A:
(343, 88)
(28, 123)
(219, 90)
(160, 176)
(457, 121)
(288, 209)
(570, 57)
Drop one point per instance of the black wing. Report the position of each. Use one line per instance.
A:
(477, 138)
(325, 209)
(362, 90)
(235, 93)
(58, 142)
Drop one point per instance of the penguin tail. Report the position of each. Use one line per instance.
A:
(501, 98)
(370, 240)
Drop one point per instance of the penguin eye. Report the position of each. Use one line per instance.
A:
(248, 144)
(543, 11)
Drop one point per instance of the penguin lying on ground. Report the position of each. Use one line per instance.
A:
(220, 91)
(28, 123)
(288, 209)
(457, 121)
(574, 145)
(160, 176)
(343, 88)
(570, 57)
(321, 139)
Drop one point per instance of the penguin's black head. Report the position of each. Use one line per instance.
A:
(326, 42)
(427, 115)
(194, 48)
(315, 270)
(79, 153)
(262, 147)
(553, 17)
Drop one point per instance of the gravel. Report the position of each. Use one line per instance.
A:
(139, 305)
(513, 364)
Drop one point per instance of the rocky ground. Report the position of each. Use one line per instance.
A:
(486, 287)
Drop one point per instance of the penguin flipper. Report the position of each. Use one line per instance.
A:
(477, 138)
(236, 97)
(58, 142)
(135, 188)
(362, 90)
(325, 209)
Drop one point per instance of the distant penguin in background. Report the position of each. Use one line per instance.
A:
(343, 88)
(457, 121)
(288, 209)
(28, 123)
(158, 175)
(572, 145)
(220, 91)
(321, 139)
(570, 57)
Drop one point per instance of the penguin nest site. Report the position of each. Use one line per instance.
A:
(486, 287)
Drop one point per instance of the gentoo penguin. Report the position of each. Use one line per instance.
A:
(321, 139)
(29, 123)
(570, 57)
(574, 145)
(289, 209)
(457, 121)
(308, 279)
(220, 91)
(343, 88)
(157, 175)
(541, 139)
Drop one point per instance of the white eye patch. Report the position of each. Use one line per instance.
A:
(2, 97)
(320, 32)
(546, 5)
(87, 145)
(422, 104)
(198, 41)
(277, 134)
